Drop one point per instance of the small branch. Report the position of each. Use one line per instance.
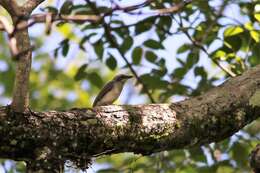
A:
(30, 5)
(173, 9)
(41, 18)
(211, 26)
(128, 8)
(200, 46)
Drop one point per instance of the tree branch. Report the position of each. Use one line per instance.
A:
(200, 46)
(11, 6)
(20, 100)
(79, 134)
(41, 18)
(173, 9)
(30, 5)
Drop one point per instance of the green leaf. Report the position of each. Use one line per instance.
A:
(179, 72)
(144, 25)
(65, 47)
(154, 82)
(137, 55)
(235, 42)
(111, 62)
(153, 44)
(159, 72)
(254, 58)
(240, 153)
(81, 72)
(82, 42)
(233, 30)
(226, 169)
(184, 48)
(192, 59)
(200, 71)
(150, 56)
(99, 49)
(95, 79)
(198, 154)
(127, 44)
(66, 7)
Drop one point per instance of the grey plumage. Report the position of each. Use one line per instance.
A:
(111, 91)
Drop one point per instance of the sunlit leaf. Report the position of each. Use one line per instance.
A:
(234, 30)
(255, 35)
(257, 16)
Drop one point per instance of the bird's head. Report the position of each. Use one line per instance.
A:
(121, 78)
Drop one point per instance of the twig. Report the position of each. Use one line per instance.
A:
(219, 14)
(42, 18)
(173, 9)
(200, 46)
(22, 23)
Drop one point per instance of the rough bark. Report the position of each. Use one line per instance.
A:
(21, 88)
(20, 99)
(79, 134)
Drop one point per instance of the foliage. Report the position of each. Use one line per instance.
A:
(174, 55)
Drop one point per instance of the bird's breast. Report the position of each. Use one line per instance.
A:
(113, 94)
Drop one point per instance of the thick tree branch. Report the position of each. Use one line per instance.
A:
(20, 99)
(11, 6)
(30, 5)
(79, 134)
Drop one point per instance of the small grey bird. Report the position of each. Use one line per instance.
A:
(111, 91)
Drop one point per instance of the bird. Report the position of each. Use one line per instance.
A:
(111, 91)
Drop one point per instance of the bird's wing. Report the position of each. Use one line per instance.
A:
(103, 92)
